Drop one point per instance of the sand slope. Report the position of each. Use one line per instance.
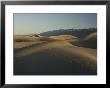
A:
(90, 41)
(55, 58)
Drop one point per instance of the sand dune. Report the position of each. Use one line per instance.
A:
(52, 57)
(63, 37)
(54, 61)
(90, 41)
(40, 47)
(23, 41)
(92, 36)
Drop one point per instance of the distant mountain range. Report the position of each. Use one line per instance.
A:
(74, 32)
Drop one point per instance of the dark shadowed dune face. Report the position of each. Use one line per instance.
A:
(87, 44)
(90, 41)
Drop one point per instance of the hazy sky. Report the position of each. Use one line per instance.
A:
(29, 23)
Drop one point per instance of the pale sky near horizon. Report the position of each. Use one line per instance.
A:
(29, 23)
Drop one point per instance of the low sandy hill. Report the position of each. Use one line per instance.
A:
(90, 41)
(23, 41)
(32, 38)
(26, 38)
(92, 36)
(54, 58)
(43, 38)
(37, 48)
(63, 37)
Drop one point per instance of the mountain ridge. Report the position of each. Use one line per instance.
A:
(74, 32)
